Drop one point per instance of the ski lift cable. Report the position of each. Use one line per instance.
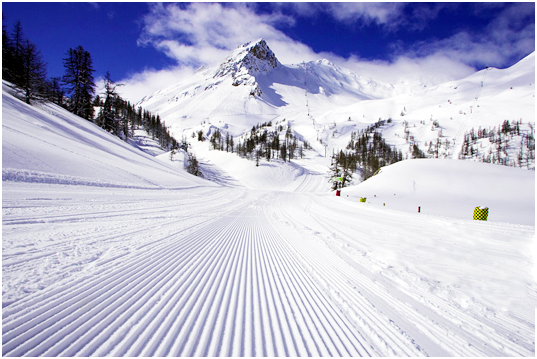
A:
(476, 98)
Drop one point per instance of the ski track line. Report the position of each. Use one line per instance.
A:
(229, 241)
(119, 285)
(305, 279)
(373, 322)
(453, 315)
(314, 319)
(107, 215)
(219, 313)
(147, 330)
(177, 308)
(6, 326)
(197, 199)
(28, 302)
(191, 305)
(232, 286)
(409, 313)
(85, 216)
(334, 327)
(372, 293)
(386, 301)
(276, 304)
(113, 234)
(93, 239)
(310, 321)
(164, 281)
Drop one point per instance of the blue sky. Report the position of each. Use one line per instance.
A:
(149, 46)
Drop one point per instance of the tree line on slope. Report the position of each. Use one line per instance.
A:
(262, 142)
(499, 142)
(23, 66)
(367, 151)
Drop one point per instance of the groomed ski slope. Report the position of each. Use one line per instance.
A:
(170, 265)
(237, 272)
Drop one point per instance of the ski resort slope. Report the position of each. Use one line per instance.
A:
(451, 188)
(92, 271)
(108, 251)
(45, 143)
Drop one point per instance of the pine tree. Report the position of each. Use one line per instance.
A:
(34, 73)
(106, 118)
(347, 164)
(14, 45)
(55, 91)
(79, 81)
(257, 157)
(283, 152)
(7, 54)
(193, 166)
(335, 171)
(22, 63)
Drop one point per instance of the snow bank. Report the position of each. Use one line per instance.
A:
(47, 144)
(229, 169)
(9, 174)
(452, 188)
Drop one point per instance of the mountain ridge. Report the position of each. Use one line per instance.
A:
(325, 103)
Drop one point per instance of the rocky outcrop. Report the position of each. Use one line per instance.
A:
(247, 61)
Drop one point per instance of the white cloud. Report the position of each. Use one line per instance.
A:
(431, 70)
(507, 34)
(203, 34)
(381, 13)
(141, 84)
(503, 41)
(192, 55)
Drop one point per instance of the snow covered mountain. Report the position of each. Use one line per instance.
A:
(325, 103)
(110, 251)
(252, 86)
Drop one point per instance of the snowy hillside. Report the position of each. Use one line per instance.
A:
(325, 103)
(47, 144)
(451, 188)
(108, 250)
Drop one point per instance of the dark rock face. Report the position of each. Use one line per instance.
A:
(261, 51)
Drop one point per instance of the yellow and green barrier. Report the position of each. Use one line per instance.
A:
(363, 199)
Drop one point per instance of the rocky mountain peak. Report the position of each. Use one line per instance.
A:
(247, 61)
(260, 51)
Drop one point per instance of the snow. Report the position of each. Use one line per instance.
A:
(303, 176)
(292, 92)
(452, 188)
(109, 250)
(47, 144)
